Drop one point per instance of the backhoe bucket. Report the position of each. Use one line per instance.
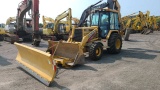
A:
(67, 54)
(37, 63)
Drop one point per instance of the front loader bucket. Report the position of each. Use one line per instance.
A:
(71, 53)
(37, 63)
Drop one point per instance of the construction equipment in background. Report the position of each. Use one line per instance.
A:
(24, 29)
(153, 23)
(5, 28)
(129, 23)
(10, 25)
(145, 24)
(102, 34)
(137, 23)
(158, 22)
(48, 26)
(47, 20)
(61, 33)
(59, 28)
(10, 20)
(2, 31)
(76, 21)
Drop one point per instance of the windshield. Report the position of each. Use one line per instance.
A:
(104, 18)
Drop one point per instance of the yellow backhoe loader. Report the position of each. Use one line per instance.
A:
(102, 34)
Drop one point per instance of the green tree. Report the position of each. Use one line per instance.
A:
(40, 25)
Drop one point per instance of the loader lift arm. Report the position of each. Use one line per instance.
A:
(23, 7)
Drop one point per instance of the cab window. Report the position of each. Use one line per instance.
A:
(95, 18)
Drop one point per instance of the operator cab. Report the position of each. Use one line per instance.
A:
(105, 20)
(61, 27)
(50, 25)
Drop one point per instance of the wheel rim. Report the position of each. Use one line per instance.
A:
(98, 51)
(118, 43)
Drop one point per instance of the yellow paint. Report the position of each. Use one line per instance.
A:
(38, 61)
(98, 51)
(118, 43)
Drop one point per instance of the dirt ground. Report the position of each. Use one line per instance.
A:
(137, 67)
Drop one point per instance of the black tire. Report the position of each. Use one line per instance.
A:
(1, 37)
(113, 49)
(92, 51)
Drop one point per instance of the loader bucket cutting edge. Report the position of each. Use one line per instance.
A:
(37, 63)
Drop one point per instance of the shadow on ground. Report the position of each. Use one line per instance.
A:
(137, 53)
(130, 40)
(4, 62)
(56, 85)
(83, 67)
(52, 85)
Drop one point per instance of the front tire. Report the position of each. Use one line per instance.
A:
(95, 51)
(114, 43)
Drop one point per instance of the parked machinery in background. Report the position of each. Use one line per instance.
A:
(26, 29)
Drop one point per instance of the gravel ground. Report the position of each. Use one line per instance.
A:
(135, 68)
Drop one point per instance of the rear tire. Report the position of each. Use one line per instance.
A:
(95, 51)
(115, 43)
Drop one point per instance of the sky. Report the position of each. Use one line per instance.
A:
(52, 8)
